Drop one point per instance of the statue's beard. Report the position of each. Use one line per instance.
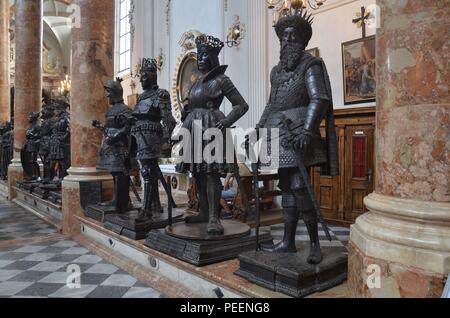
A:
(290, 55)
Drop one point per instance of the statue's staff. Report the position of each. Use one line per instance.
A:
(305, 175)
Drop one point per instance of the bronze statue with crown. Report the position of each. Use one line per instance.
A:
(151, 129)
(300, 100)
(204, 238)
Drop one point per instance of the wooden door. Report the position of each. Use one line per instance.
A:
(359, 169)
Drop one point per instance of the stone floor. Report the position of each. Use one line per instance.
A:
(36, 261)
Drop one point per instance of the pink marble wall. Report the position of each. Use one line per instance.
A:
(28, 68)
(92, 65)
(413, 131)
(396, 280)
(4, 62)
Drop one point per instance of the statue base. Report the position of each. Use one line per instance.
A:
(137, 229)
(290, 273)
(98, 212)
(55, 197)
(29, 186)
(201, 252)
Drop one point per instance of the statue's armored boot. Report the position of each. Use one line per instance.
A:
(315, 253)
(287, 245)
(214, 194)
(203, 216)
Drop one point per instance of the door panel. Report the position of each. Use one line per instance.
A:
(359, 167)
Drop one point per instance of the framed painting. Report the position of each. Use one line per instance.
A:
(359, 70)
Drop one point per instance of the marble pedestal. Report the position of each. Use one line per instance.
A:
(290, 274)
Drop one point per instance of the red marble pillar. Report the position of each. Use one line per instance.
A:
(4, 62)
(92, 65)
(406, 234)
(28, 77)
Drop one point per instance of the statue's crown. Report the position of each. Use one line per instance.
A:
(209, 43)
(300, 20)
(149, 65)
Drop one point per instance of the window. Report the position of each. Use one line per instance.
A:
(124, 38)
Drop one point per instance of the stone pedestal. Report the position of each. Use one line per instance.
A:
(92, 65)
(28, 77)
(404, 239)
(4, 62)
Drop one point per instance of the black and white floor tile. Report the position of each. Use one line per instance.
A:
(340, 235)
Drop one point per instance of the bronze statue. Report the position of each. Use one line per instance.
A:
(59, 141)
(47, 116)
(30, 149)
(203, 104)
(152, 130)
(114, 150)
(6, 148)
(300, 100)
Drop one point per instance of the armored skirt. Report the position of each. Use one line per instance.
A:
(205, 98)
(114, 157)
(148, 135)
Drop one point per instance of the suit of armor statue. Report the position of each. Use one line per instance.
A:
(203, 105)
(48, 121)
(300, 94)
(29, 152)
(6, 151)
(59, 142)
(2, 170)
(152, 129)
(114, 150)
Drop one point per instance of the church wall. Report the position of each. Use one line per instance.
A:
(159, 26)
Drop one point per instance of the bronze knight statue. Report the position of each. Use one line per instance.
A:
(114, 150)
(300, 100)
(203, 104)
(152, 129)
(30, 149)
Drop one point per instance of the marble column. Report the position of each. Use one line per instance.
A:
(28, 77)
(92, 65)
(405, 238)
(4, 62)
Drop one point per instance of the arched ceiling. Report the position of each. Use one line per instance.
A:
(56, 19)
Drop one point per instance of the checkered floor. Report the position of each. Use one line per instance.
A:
(17, 223)
(49, 269)
(340, 235)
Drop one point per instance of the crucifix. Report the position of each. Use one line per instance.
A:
(361, 20)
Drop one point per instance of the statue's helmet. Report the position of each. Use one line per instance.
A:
(114, 89)
(209, 44)
(300, 21)
(34, 116)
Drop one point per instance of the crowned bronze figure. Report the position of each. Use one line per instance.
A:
(114, 150)
(152, 129)
(30, 149)
(300, 100)
(203, 104)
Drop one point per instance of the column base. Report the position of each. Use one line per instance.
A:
(15, 174)
(408, 240)
(71, 206)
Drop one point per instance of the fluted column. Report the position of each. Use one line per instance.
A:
(92, 65)
(406, 234)
(258, 68)
(4, 62)
(28, 77)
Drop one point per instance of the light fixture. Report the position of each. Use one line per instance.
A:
(236, 33)
(65, 86)
(286, 7)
